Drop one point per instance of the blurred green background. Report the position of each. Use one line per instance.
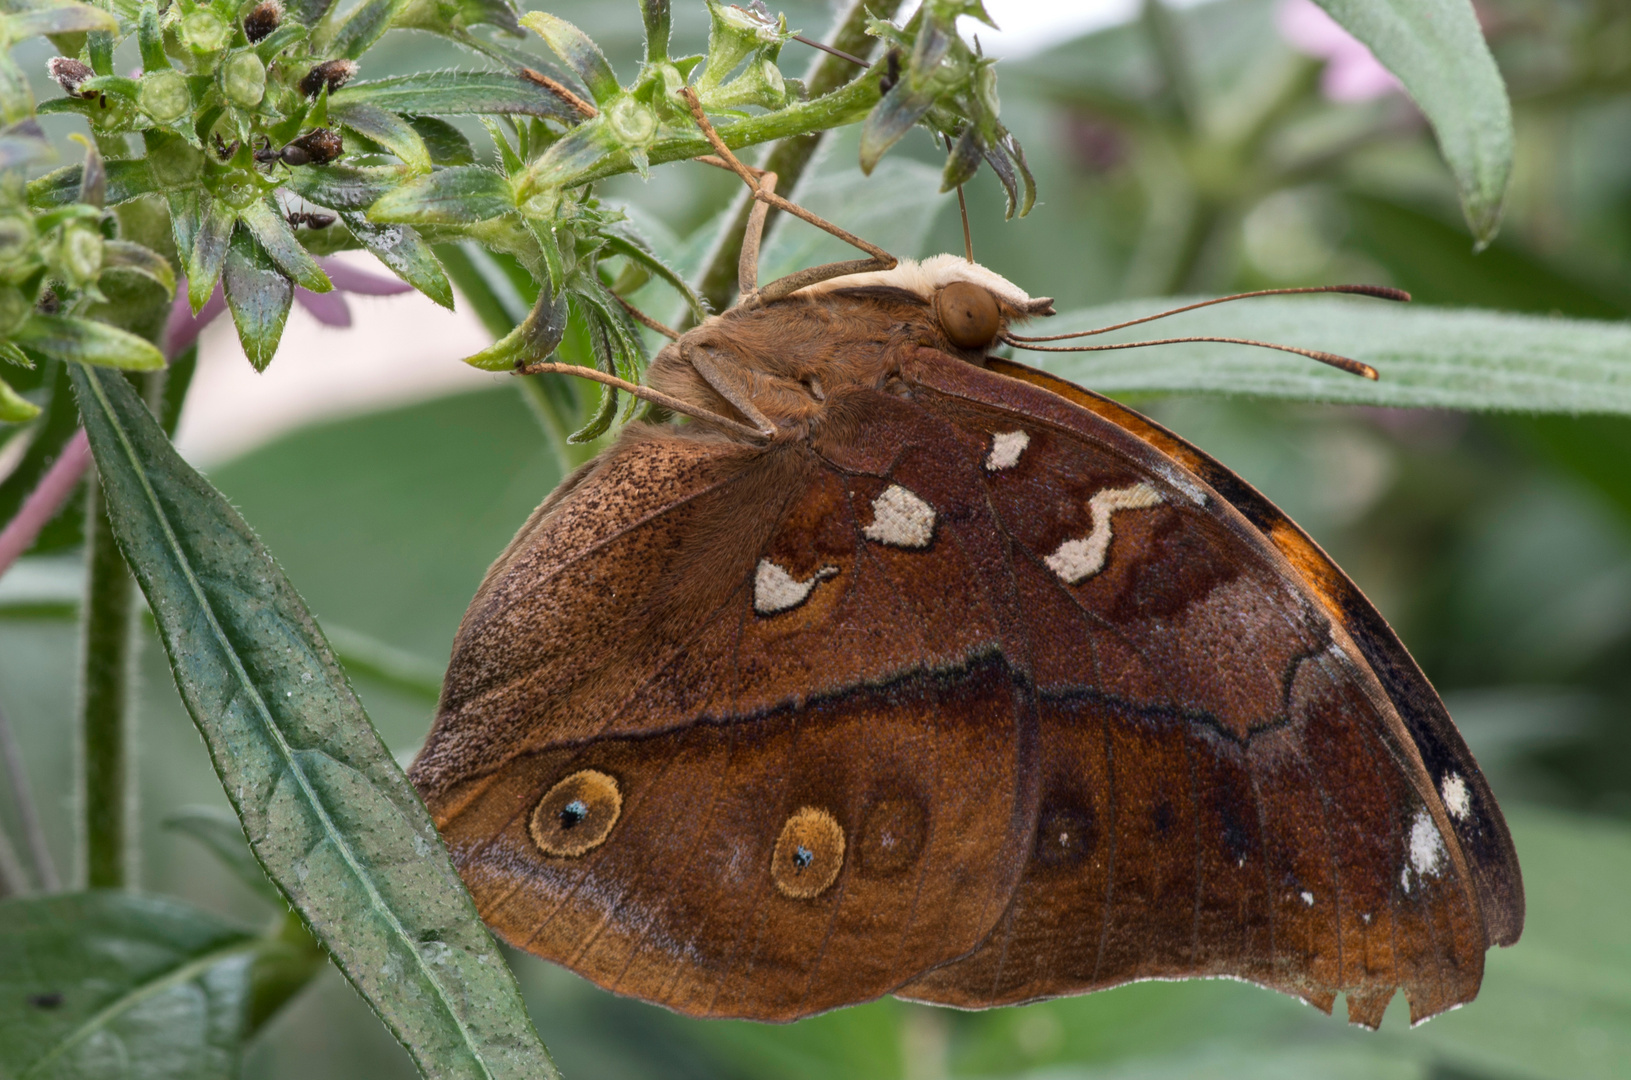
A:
(1183, 151)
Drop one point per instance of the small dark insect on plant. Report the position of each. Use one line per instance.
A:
(891, 76)
(309, 218)
(262, 20)
(223, 149)
(317, 147)
(330, 73)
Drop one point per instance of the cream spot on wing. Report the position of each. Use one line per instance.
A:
(1456, 799)
(774, 589)
(1426, 846)
(900, 519)
(1308, 898)
(1077, 560)
(1006, 446)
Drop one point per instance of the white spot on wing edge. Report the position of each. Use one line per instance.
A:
(775, 590)
(1456, 798)
(1308, 898)
(1427, 850)
(1006, 446)
(900, 519)
(1077, 560)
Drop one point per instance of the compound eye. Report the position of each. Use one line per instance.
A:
(968, 314)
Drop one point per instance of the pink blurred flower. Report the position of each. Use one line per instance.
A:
(1351, 72)
(328, 308)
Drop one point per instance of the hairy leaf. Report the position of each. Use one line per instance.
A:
(386, 128)
(1437, 50)
(457, 93)
(406, 253)
(278, 240)
(258, 294)
(327, 810)
(458, 196)
(64, 337)
(578, 51)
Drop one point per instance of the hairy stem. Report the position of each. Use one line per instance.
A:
(789, 157)
(108, 645)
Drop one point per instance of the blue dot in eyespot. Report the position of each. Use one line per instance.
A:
(573, 813)
(802, 857)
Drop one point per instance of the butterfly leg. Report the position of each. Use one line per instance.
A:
(729, 382)
(765, 194)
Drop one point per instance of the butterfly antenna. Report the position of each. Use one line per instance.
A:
(1353, 367)
(646, 393)
(842, 55)
(1380, 292)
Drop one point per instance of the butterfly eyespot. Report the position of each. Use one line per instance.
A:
(891, 837)
(809, 853)
(968, 315)
(577, 814)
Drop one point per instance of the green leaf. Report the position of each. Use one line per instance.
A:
(278, 240)
(459, 196)
(258, 295)
(14, 408)
(208, 252)
(405, 252)
(535, 338)
(457, 93)
(150, 36)
(290, 33)
(364, 26)
(326, 809)
(1437, 50)
(446, 143)
(116, 984)
(1428, 358)
(63, 337)
(127, 180)
(578, 51)
(124, 255)
(63, 18)
(346, 187)
(387, 129)
(222, 834)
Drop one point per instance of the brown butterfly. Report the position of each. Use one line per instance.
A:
(909, 670)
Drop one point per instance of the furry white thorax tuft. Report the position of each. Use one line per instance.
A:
(928, 277)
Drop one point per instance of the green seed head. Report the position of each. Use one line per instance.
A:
(14, 309)
(16, 241)
(163, 95)
(243, 79)
(633, 123)
(205, 32)
(81, 254)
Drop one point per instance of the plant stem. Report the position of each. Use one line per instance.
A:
(789, 157)
(106, 657)
(107, 714)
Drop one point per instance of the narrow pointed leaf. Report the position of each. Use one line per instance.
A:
(578, 51)
(346, 187)
(538, 335)
(406, 253)
(364, 26)
(113, 983)
(385, 128)
(326, 809)
(124, 255)
(890, 120)
(278, 241)
(629, 248)
(208, 252)
(126, 180)
(65, 18)
(14, 408)
(258, 295)
(1427, 357)
(457, 196)
(446, 143)
(290, 33)
(63, 337)
(1437, 50)
(223, 835)
(457, 93)
(151, 38)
